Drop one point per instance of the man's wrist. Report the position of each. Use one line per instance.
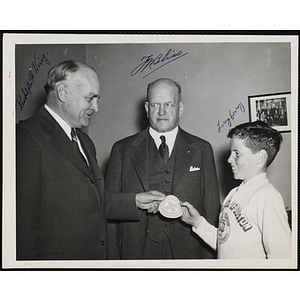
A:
(136, 201)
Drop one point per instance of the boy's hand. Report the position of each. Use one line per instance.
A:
(190, 215)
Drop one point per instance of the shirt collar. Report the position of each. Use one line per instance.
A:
(260, 178)
(170, 137)
(63, 124)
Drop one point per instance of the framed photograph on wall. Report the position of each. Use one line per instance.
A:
(273, 109)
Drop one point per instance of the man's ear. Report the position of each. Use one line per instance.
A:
(146, 105)
(62, 92)
(181, 108)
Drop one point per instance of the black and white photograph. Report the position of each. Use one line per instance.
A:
(274, 110)
(150, 152)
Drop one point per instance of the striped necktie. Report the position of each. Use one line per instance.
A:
(75, 142)
(164, 149)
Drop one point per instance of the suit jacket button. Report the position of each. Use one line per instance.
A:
(147, 229)
(91, 181)
(103, 243)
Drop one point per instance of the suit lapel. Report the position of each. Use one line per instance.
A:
(139, 157)
(184, 155)
(94, 168)
(90, 156)
(59, 141)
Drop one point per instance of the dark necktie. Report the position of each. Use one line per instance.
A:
(164, 149)
(75, 143)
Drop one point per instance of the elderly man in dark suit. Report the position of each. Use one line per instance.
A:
(60, 188)
(187, 171)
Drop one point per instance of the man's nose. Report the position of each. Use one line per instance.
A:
(95, 105)
(162, 110)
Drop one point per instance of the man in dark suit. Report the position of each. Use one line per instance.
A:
(188, 172)
(60, 188)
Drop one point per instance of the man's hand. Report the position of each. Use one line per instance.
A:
(190, 215)
(149, 200)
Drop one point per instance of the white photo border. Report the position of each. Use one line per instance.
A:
(9, 165)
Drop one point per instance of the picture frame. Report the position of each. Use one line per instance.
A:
(273, 109)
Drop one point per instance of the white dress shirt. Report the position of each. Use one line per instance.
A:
(170, 137)
(66, 128)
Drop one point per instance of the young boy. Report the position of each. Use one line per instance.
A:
(253, 221)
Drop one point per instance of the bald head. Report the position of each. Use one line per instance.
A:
(164, 83)
(164, 106)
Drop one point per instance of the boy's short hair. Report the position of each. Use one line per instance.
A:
(258, 136)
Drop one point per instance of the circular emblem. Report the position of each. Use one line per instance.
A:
(224, 228)
(170, 207)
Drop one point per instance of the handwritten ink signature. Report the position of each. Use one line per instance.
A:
(232, 114)
(160, 60)
(36, 65)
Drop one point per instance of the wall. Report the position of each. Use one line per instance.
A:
(32, 65)
(214, 77)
